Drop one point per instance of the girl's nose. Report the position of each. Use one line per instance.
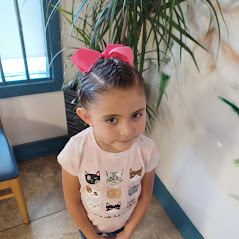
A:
(126, 130)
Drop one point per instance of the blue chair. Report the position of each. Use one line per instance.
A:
(9, 176)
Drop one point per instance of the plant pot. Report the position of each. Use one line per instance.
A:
(74, 123)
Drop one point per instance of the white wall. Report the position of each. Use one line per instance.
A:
(198, 134)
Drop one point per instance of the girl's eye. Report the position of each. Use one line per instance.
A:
(112, 120)
(136, 116)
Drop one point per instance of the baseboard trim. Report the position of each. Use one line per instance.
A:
(174, 211)
(39, 148)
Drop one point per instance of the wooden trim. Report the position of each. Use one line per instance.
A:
(4, 185)
(17, 190)
(10, 195)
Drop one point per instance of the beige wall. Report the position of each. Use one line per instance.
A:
(33, 117)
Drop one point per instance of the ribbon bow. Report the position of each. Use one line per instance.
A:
(85, 58)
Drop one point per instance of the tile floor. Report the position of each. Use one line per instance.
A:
(41, 181)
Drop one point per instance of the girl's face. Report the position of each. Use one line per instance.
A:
(118, 118)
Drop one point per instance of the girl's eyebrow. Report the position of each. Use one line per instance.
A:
(139, 110)
(117, 115)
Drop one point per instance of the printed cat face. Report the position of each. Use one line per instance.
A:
(92, 192)
(113, 208)
(114, 192)
(114, 178)
(93, 205)
(131, 202)
(135, 175)
(133, 190)
(92, 178)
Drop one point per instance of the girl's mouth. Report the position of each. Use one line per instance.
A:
(125, 141)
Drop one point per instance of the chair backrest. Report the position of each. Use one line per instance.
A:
(8, 164)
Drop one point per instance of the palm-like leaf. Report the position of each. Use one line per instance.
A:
(101, 22)
(104, 21)
(233, 106)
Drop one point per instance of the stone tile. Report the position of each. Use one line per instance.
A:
(156, 224)
(55, 226)
(10, 215)
(41, 182)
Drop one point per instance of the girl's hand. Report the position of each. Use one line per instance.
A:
(122, 235)
(100, 237)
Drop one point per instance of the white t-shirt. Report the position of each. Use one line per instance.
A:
(110, 182)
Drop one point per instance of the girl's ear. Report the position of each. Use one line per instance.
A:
(84, 115)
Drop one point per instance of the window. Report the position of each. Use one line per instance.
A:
(27, 48)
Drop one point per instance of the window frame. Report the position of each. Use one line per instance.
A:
(55, 79)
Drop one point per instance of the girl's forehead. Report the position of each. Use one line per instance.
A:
(130, 93)
(122, 95)
(119, 101)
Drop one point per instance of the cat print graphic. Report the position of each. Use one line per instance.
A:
(92, 178)
(114, 178)
(93, 192)
(114, 192)
(135, 175)
(130, 203)
(93, 205)
(133, 190)
(113, 208)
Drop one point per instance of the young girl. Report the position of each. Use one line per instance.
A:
(108, 169)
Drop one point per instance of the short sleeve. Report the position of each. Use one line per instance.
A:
(153, 158)
(68, 158)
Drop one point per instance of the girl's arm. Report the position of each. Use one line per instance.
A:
(71, 189)
(141, 208)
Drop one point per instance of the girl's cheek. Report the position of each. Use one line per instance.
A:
(142, 124)
(109, 133)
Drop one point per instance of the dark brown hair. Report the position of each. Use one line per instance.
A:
(107, 74)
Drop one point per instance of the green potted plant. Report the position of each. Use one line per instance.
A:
(148, 27)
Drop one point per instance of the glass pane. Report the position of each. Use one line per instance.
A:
(31, 13)
(14, 70)
(10, 45)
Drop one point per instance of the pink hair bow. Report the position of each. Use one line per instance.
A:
(85, 58)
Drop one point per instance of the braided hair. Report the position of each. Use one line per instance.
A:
(107, 74)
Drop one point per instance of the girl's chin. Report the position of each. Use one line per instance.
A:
(117, 146)
(122, 146)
